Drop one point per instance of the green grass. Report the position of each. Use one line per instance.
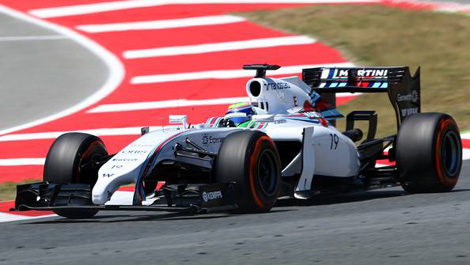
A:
(378, 35)
(8, 189)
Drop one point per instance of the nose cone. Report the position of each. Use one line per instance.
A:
(100, 193)
(99, 199)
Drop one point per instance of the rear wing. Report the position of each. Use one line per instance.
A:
(404, 90)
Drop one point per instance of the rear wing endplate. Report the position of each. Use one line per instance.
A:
(403, 89)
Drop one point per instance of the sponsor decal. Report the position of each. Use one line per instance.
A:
(135, 152)
(372, 73)
(343, 73)
(209, 139)
(312, 115)
(408, 112)
(124, 159)
(280, 121)
(211, 195)
(339, 78)
(277, 86)
(413, 97)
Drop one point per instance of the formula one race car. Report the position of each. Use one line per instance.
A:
(283, 144)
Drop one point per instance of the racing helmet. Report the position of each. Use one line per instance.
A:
(240, 108)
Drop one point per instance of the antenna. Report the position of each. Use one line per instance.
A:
(261, 68)
(177, 106)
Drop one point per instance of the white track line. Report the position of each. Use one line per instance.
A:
(21, 161)
(32, 38)
(40, 161)
(453, 8)
(118, 198)
(449, 7)
(121, 5)
(218, 47)
(166, 104)
(347, 95)
(116, 69)
(466, 154)
(377, 165)
(175, 103)
(161, 24)
(53, 135)
(465, 135)
(5, 217)
(223, 74)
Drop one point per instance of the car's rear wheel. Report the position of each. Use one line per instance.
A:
(250, 159)
(70, 160)
(429, 153)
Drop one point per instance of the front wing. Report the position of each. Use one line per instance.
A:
(201, 198)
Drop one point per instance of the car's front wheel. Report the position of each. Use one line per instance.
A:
(70, 160)
(250, 159)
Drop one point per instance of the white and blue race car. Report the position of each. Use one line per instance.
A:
(282, 144)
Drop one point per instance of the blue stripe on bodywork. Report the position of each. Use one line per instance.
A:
(332, 114)
(376, 84)
(331, 73)
(139, 190)
(302, 119)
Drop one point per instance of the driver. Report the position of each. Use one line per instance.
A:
(240, 113)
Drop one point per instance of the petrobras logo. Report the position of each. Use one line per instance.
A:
(211, 195)
(277, 86)
(412, 97)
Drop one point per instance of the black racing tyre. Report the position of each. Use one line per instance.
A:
(65, 164)
(250, 159)
(429, 153)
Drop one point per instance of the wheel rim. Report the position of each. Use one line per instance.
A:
(267, 173)
(450, 153)
(86, 171)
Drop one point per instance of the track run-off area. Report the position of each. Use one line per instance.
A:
(163, 58)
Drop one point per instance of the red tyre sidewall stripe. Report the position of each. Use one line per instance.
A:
(253, 162)
(445, 180)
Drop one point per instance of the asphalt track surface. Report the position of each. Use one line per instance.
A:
(375, 227)
(42, 72)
